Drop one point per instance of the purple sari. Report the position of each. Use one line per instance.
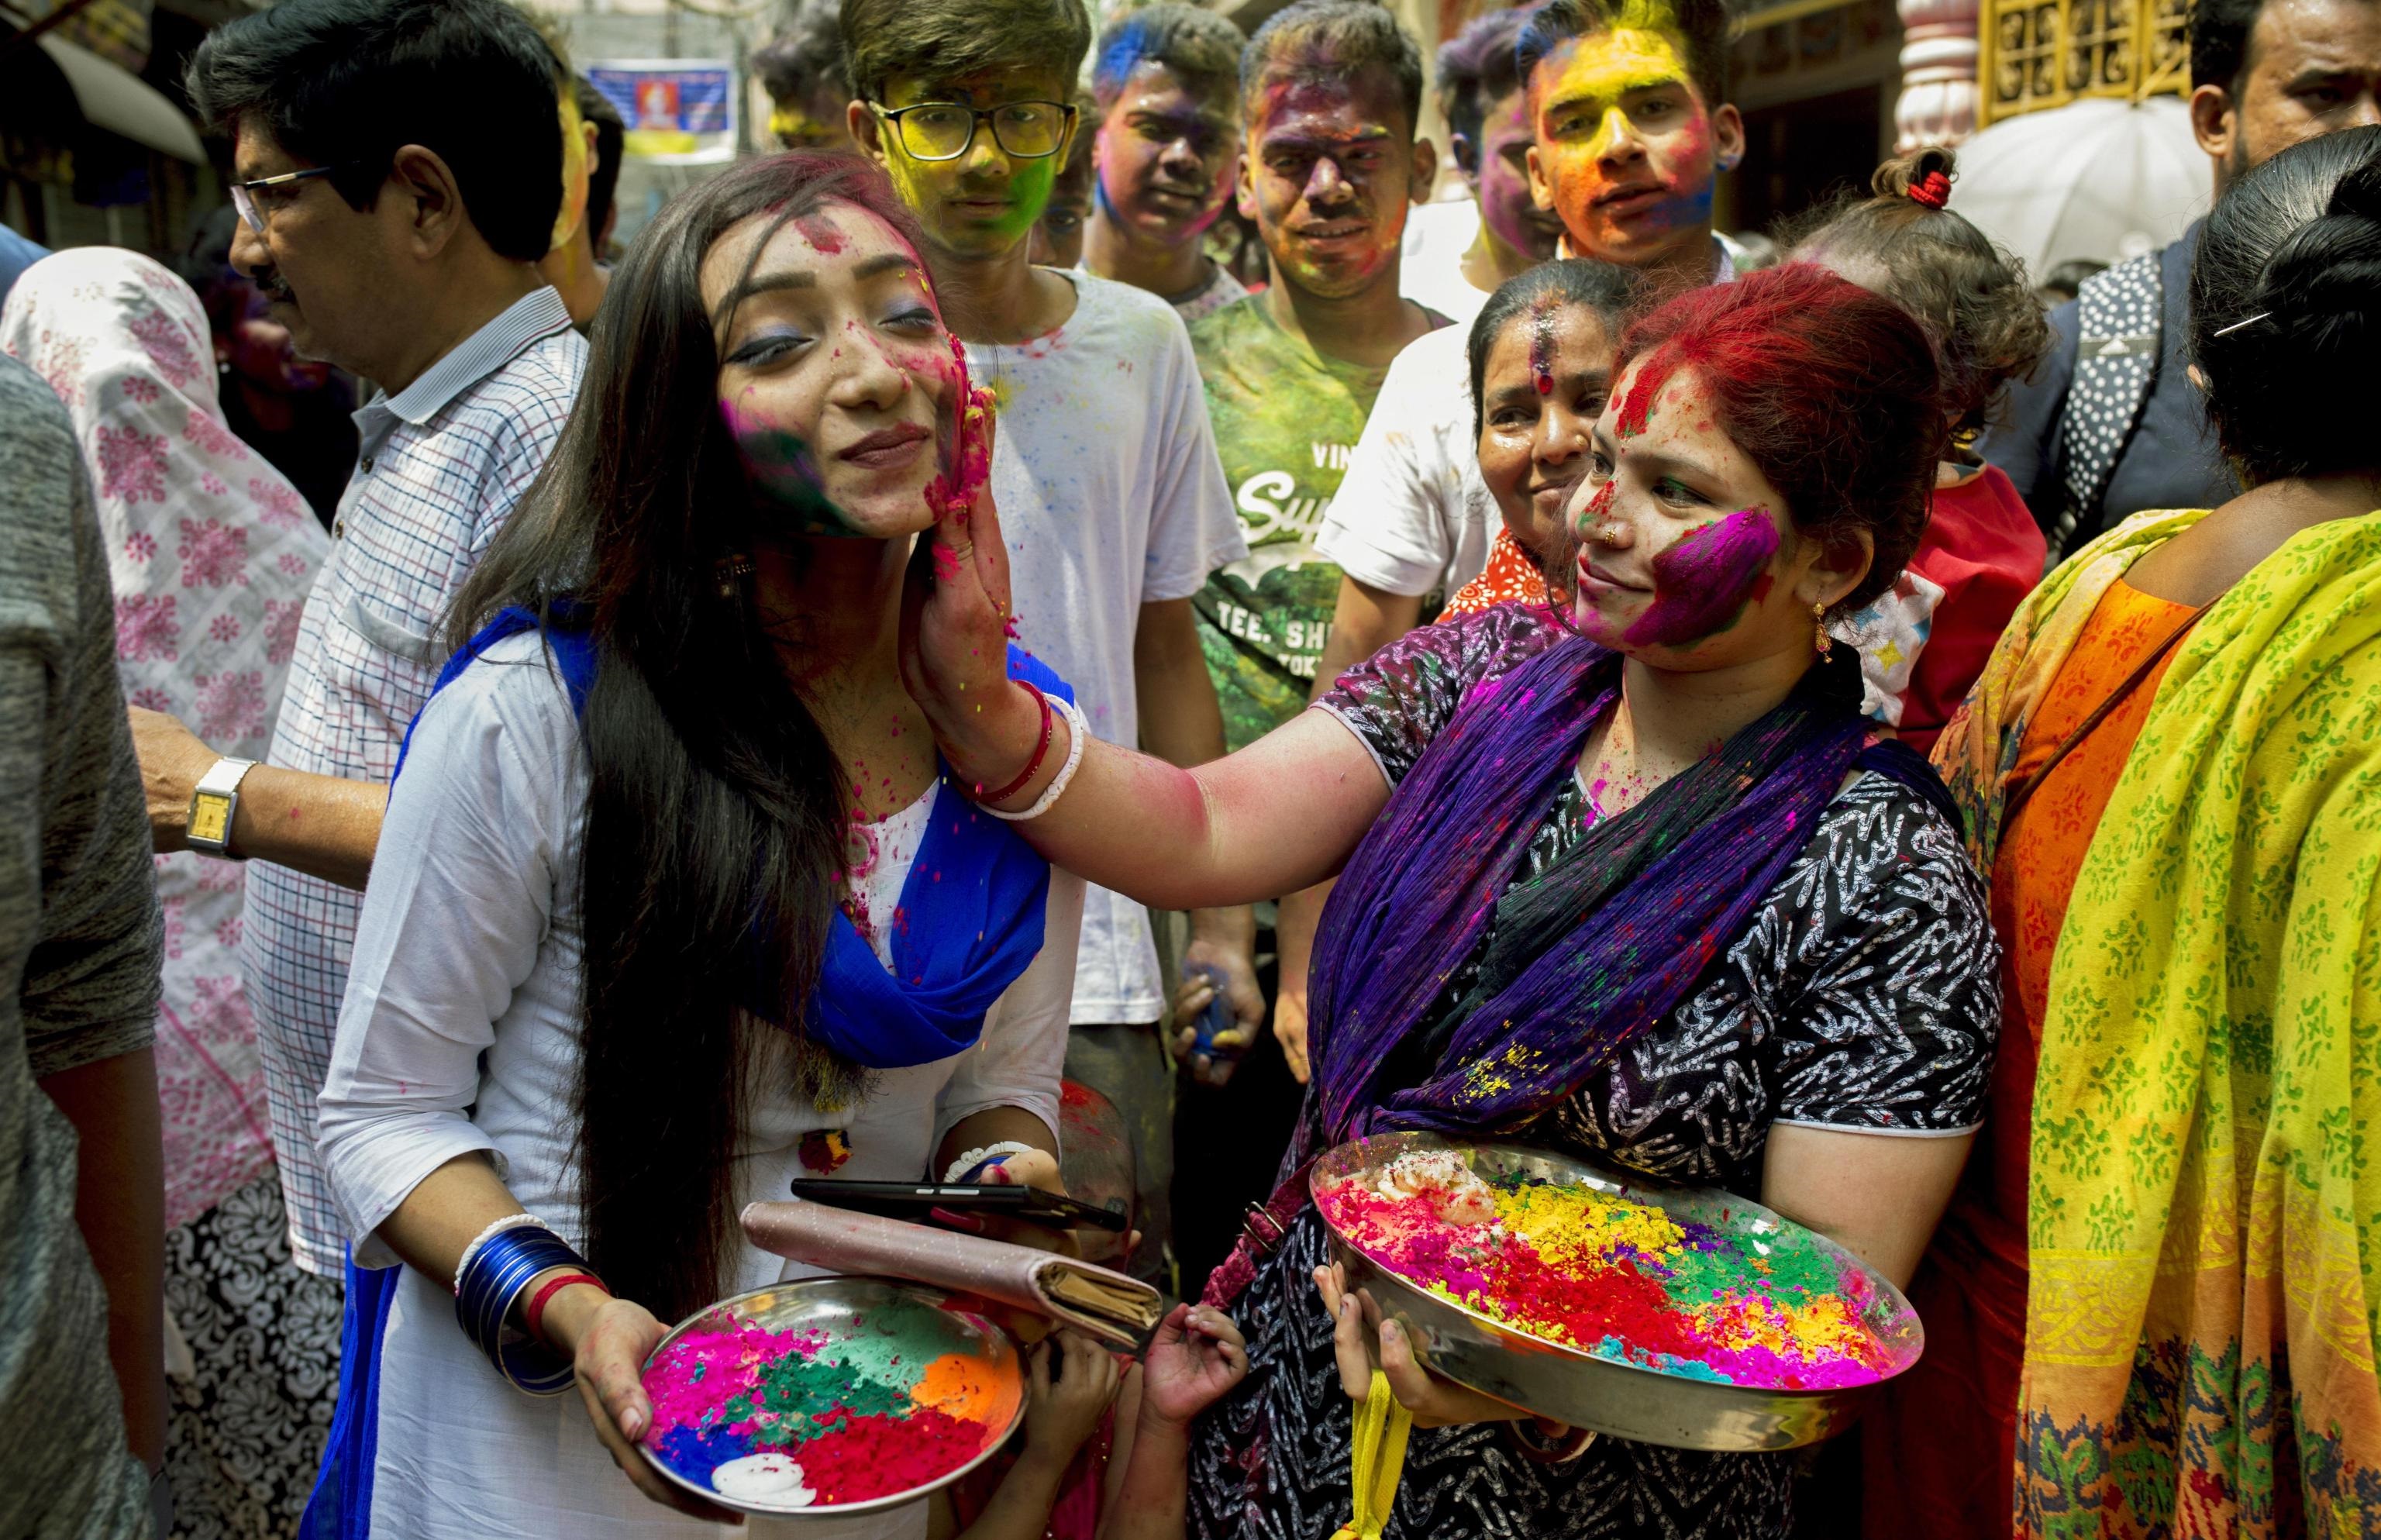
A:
(1594, 951)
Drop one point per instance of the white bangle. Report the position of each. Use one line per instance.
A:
(974, 1158)
(510, 1221)
(1075, 733)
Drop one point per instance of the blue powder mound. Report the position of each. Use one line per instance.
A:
(695, 1454)
(1619, 1351)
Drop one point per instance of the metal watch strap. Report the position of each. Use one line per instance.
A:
(213, 802)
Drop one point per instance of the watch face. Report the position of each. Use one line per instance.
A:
(211, 817)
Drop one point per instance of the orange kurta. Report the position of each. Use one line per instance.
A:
(1941, 1448)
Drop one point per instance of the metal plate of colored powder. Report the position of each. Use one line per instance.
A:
(1834, 1327)
(882, 1392)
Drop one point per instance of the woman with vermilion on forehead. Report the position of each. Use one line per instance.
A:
(1653, 866)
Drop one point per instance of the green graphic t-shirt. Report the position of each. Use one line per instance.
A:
(1286, 421)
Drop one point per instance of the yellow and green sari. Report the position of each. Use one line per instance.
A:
(2205, 1209)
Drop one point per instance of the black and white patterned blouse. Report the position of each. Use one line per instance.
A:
(1863, 995)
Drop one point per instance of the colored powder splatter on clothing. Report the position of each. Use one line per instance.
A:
(1618, 1278)
(1703, 583)
(866, 1416)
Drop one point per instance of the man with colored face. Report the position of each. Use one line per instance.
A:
(801, 68)
(2265, 75)
(1330, 91)
(1625, 100)
(1458, 252)
(1103, 464)
(1167, 79)
(1629, 131)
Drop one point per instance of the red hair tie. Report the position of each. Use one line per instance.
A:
(1933, 189)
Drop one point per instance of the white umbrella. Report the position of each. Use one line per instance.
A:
(2098, 178)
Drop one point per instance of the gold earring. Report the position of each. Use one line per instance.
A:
(732, 571)
(1819, 627)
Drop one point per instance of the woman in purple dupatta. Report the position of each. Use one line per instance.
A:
(1645, 889)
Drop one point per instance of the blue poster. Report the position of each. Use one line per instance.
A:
(677, 110)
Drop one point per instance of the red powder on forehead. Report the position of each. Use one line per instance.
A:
(820, 231)
(1638, 405)
(1542, 345)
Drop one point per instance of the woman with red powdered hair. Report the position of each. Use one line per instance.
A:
(1652, 865)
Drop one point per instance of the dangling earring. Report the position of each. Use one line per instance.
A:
(733, 570)
(1819, 629)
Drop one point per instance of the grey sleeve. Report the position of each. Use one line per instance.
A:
(89, 985)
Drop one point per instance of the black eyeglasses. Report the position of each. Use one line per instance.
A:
(243, 194)
(946, 130)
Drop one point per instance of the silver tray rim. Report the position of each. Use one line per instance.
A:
(842, 1286)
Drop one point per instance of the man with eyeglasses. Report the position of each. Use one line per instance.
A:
(1103, 467)
(396, 234)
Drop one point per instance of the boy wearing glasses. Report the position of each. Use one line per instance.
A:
(1104, 466)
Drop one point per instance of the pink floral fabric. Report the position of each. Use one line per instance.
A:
(211, 553)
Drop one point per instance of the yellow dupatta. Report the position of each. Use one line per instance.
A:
(2205, 1213)
(1979, 749)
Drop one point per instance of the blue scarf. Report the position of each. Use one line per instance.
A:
(973, 903)
(973, 900)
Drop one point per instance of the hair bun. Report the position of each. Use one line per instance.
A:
(2359, 193)
(1913, 176)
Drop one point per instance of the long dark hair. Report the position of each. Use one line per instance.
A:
(714, 826)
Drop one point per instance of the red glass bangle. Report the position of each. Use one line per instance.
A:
(1049, 730)
(534, 1316)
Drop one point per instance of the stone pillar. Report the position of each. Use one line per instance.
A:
(1939, 73)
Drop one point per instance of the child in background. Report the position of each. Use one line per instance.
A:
(1071, 1386)
(1981, 552)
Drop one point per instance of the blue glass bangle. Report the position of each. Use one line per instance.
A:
(498, 1274)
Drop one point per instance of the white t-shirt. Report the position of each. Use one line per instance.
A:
(1430, 269)
(1411, 515)
(1111, 496)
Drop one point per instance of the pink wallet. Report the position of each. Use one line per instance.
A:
(1109, 1306)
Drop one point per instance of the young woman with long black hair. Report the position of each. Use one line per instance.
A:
(675, 901)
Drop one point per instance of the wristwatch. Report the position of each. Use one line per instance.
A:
(213, 804)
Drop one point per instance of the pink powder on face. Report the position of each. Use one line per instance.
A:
(1703, 583)
(966, 452)
(821, 233)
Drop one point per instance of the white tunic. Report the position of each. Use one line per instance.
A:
(461, 1034)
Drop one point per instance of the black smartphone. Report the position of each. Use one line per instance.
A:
(917, 1200)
